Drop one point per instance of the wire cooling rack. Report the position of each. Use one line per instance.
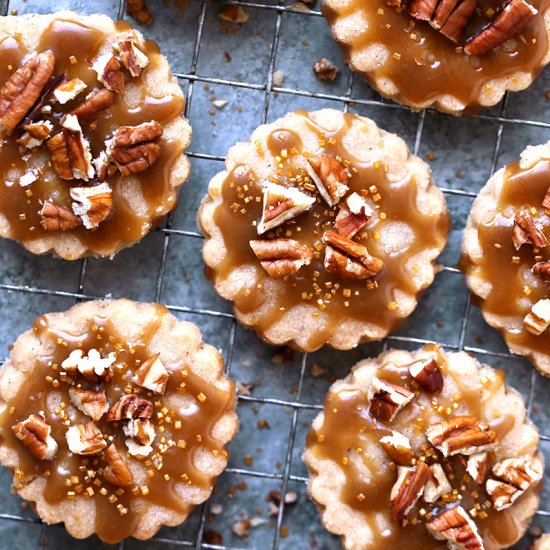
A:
(299, 408)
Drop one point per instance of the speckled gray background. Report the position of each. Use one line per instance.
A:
(287, 389)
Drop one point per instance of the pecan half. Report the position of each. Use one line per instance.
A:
(131, 57)
(109, 73)
(141, 434)
(455, 24)
(139, 11)
(348, 258)
(281, 204)
(130, 406)
(92, 403)
(437, 484)
(465, 435)
(117, 471)
(407, 490)
(23, 88)
(282, 257)
(537, 320)
(34, 433)
(58, 218)
(152, 375)
(509, 22)
(353, 215)
(95, 102)
(427, 375)
(329, 176)
(92, 204)
(135, 148)
(477, 466)
(526, 230)
(85, 439)
(71, 157)
(69, 90)
(457, 528)
(388, 399)
(542, 269)
(398, 448)
(35, 133)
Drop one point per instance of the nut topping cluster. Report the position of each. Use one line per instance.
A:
(452, 19)
(42, 109)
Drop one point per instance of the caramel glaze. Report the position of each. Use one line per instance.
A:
(197, 421)
(514, 288)
(429, 65)
(370, 301)
(349, 435)
(125, 224)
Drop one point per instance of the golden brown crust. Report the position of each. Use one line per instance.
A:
(327, 478)
(159, 82)
(177, 342)
(364, 142)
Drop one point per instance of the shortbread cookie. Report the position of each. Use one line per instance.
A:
(424, 450)
(506, 254)
(93, 136)
(323, 229)
(456, 56)
(542, 544)
(114, 417)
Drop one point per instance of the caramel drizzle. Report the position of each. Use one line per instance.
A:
(178, 469)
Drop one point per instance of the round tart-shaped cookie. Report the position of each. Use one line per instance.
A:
(543, 543)
(456, 56)
(423, 450)
(93, 136)
(114, 417)
(323, 229)
(506, 254)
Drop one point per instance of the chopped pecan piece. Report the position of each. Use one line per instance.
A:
(508, 23)
(457, 528)
(427, 375)
(139, 11)
(71, 157)
(92, 204)
(92, 403)
(465, 435)
(281, 204)
(423, 9)
(527, 231)
(329, 176)
(388, 399)
(92, 366)
(69, 90)
(104, 166)
(407, 490)
(58, 218)
(537, 320)
(95, 102)
(23, 88)
(35, 133)
(141, 434)
(542, 269)
(353, 215)
(546, 200)
(135, 148)
(85, 439)
(282, 257)
(130, 406)
(117, 471)
(325, 70)
(131, 57)
(518, 472)
(109, 73)
(34, 433)
(398, 448)
(152, 375)
(502, 495)
(437, 484)
(456, 23)
(477, 466)
(348, 258)
(233, 14)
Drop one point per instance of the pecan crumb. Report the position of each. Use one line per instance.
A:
(139, 11)
(325, 70)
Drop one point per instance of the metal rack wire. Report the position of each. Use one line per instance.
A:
(268, 88)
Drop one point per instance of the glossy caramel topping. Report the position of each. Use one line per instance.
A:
(423, 64)
(183, 419)
(515, 288)
(20, 204)
(397, 219)
(350, 438)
